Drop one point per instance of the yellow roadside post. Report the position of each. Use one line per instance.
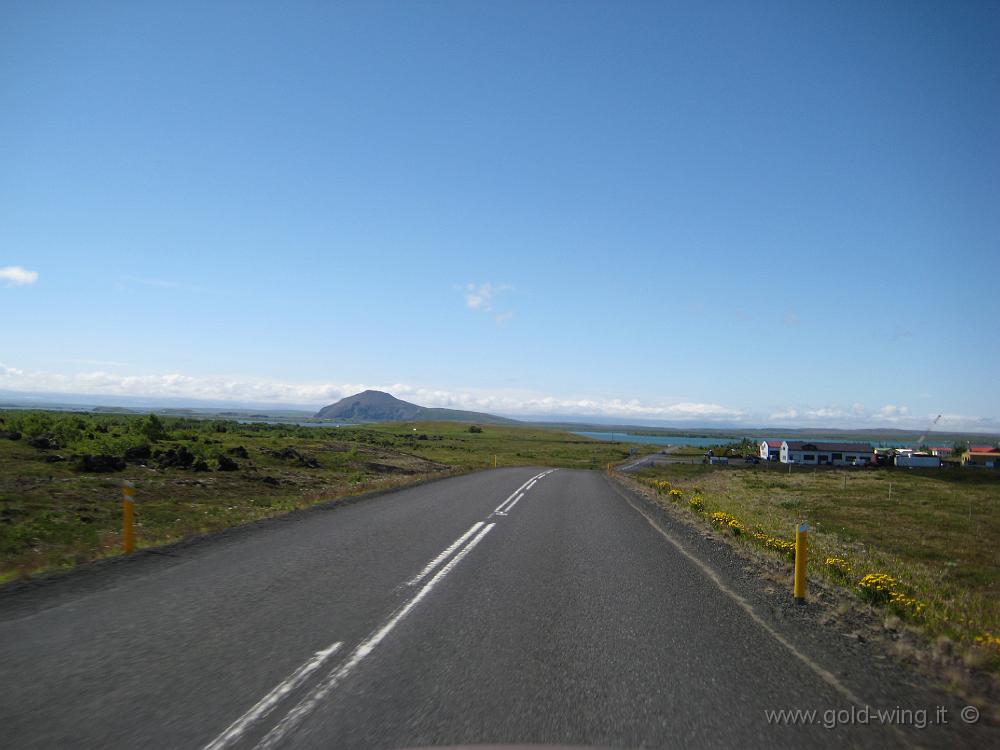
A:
(801, 545)
(494, 460)
(128, 517)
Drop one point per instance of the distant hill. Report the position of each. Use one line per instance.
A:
(377, 406)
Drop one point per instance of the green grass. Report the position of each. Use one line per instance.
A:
(52, 515)
(938, 535)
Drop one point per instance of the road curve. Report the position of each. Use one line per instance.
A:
(521, 605)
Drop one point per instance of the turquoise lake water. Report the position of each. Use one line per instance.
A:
(700, 442)
(657, 439)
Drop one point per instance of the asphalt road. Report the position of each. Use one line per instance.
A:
(574, 615)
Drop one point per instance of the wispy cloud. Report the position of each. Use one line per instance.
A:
(791, 318)
(18, 275)
(480, 297)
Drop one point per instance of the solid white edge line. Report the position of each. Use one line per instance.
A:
(265, 705)
(824, 674)
(441, 558)
(310, 701)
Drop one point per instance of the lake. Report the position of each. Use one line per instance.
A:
(700, 442)
(658, 439)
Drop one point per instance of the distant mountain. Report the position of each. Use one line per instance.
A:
(377, 406)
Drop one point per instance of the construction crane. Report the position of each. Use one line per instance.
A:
(930, 427)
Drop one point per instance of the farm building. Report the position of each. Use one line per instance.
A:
(942, 451)
(982, 455)
(834, 454)
(770, 450)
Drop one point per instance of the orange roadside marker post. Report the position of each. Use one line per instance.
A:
(128, 517)
(801, 550)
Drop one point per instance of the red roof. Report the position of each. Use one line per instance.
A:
(983, 449)
(773, 443)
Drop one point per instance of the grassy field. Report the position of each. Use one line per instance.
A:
(61, 474)
(937, 534)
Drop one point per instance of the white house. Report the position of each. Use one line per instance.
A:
(834, 454)
(770, 450)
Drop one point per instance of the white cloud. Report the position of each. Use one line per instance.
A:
(176, 385)
(505, 401)
(18, 275)
(892, 412)
(480, 297)
(788, 413)
(824, 412)
(857, 416)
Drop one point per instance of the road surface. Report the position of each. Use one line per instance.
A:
(516, 605)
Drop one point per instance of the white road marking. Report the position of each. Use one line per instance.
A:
(265, 705)
(507, 509)
(514, 493)
(510, 507)
(444, 555)
(308, 703)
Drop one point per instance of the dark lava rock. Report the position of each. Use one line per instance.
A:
(239, 451)
(180, 457)
(200, 465)
(228, 464)
(43, 442)
(301, 459)
(102, 463)
(10, 434)
(53, 458)
(138, 453)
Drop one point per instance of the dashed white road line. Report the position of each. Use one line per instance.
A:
(266, 704)
(523, 488)
(510, 507)
(310, 701)
(444, 555)
(236, 730)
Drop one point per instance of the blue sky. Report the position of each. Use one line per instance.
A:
(771, 213)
